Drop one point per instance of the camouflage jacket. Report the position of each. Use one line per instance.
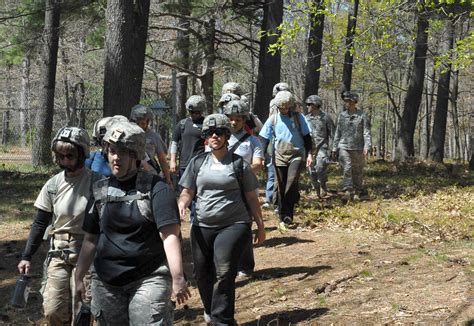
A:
(322, 129)
(352, 131)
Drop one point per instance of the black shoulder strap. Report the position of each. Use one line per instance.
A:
(234, 147)
(182, 125)
(198, 162)
(238, 166)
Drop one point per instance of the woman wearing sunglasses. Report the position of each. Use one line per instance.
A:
(223, 192)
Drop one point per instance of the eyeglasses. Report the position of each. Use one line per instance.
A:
(309, 104)
(61, 157)
(194, 112)
(219, 132)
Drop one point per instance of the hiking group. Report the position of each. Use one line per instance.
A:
(114, 220)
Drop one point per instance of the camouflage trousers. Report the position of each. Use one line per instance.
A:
(319, 170)
(60, 305)
(143, 302)
(352, 164)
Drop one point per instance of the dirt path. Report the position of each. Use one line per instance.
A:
(315, 276)
(311, 276)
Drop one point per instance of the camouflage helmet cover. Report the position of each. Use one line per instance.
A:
(226, 98)
(73, 135)
(314, 99)
(349, 95)
(284, 98)
(128, 135)
(99, 128)
(139, 112)
(195, 103)
(280, 87)
(236, 107)
(232, 87)
(216, 120)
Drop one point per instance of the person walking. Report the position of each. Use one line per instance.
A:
(132, 235)
(322, 130)
(224, 185)
(352, 142)
(249, 147)
(155, 147)
(292, 149)
(187, 135)
(62, 203)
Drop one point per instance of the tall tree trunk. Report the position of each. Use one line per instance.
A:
(207, 79)
(125, 41)
(24, 99)
(10, 105)
(441, 112)
(349, 56)
(426, 120)
(44, 116)
(268, 65)
(405, 148)
(182, 51)
(455, 116)
(315, 44)
(70, 108)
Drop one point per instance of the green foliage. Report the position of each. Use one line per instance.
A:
(20, 34)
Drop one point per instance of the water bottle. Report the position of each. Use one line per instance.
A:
(83, 318)
(22, 289)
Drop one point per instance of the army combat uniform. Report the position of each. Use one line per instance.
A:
(352, 136)
(322, 129)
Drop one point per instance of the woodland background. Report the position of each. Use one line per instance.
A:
(69, 62)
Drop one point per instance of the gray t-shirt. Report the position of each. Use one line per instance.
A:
(219, 199)
(154, 144)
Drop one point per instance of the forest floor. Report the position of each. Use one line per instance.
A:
(403, 256)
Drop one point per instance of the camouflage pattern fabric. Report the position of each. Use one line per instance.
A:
(352, 163)
(147, 301)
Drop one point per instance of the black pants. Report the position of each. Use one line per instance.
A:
(216, 255)
(288, 193)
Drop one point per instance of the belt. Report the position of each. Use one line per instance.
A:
(68, 236)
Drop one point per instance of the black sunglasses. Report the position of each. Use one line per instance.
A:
(218, 131)
(308, 104)
(194, 112)
(61, 157)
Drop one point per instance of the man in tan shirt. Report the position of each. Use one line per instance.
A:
(61, 203)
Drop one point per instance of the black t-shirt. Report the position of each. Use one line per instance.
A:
(129, 245)
(190, 137)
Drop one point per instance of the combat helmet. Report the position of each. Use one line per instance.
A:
(285, 98)
(127, 135)
(195, 103)
(226, 98)
(236, 107)
(232, 87)
(280, 87)
(349, 95)
(73, 135)
(140, 112)
(314, 99)
(101, 125)
(215, 121)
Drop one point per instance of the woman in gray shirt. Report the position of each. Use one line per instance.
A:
(224, 186)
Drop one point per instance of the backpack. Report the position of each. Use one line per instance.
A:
(104, 193)
(237, 165)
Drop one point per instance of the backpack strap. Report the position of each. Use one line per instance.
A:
(182, 125)
(238, 166)
(199, 161)
(234, 147)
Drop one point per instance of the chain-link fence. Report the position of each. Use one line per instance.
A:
(18, 128)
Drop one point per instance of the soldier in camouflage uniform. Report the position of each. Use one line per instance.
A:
(352, 142)
(322, 129)
(61, 202)
(132, 234)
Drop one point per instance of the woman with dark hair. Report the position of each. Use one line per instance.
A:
(224, 186)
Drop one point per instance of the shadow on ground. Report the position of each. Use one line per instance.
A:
(287, 317)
